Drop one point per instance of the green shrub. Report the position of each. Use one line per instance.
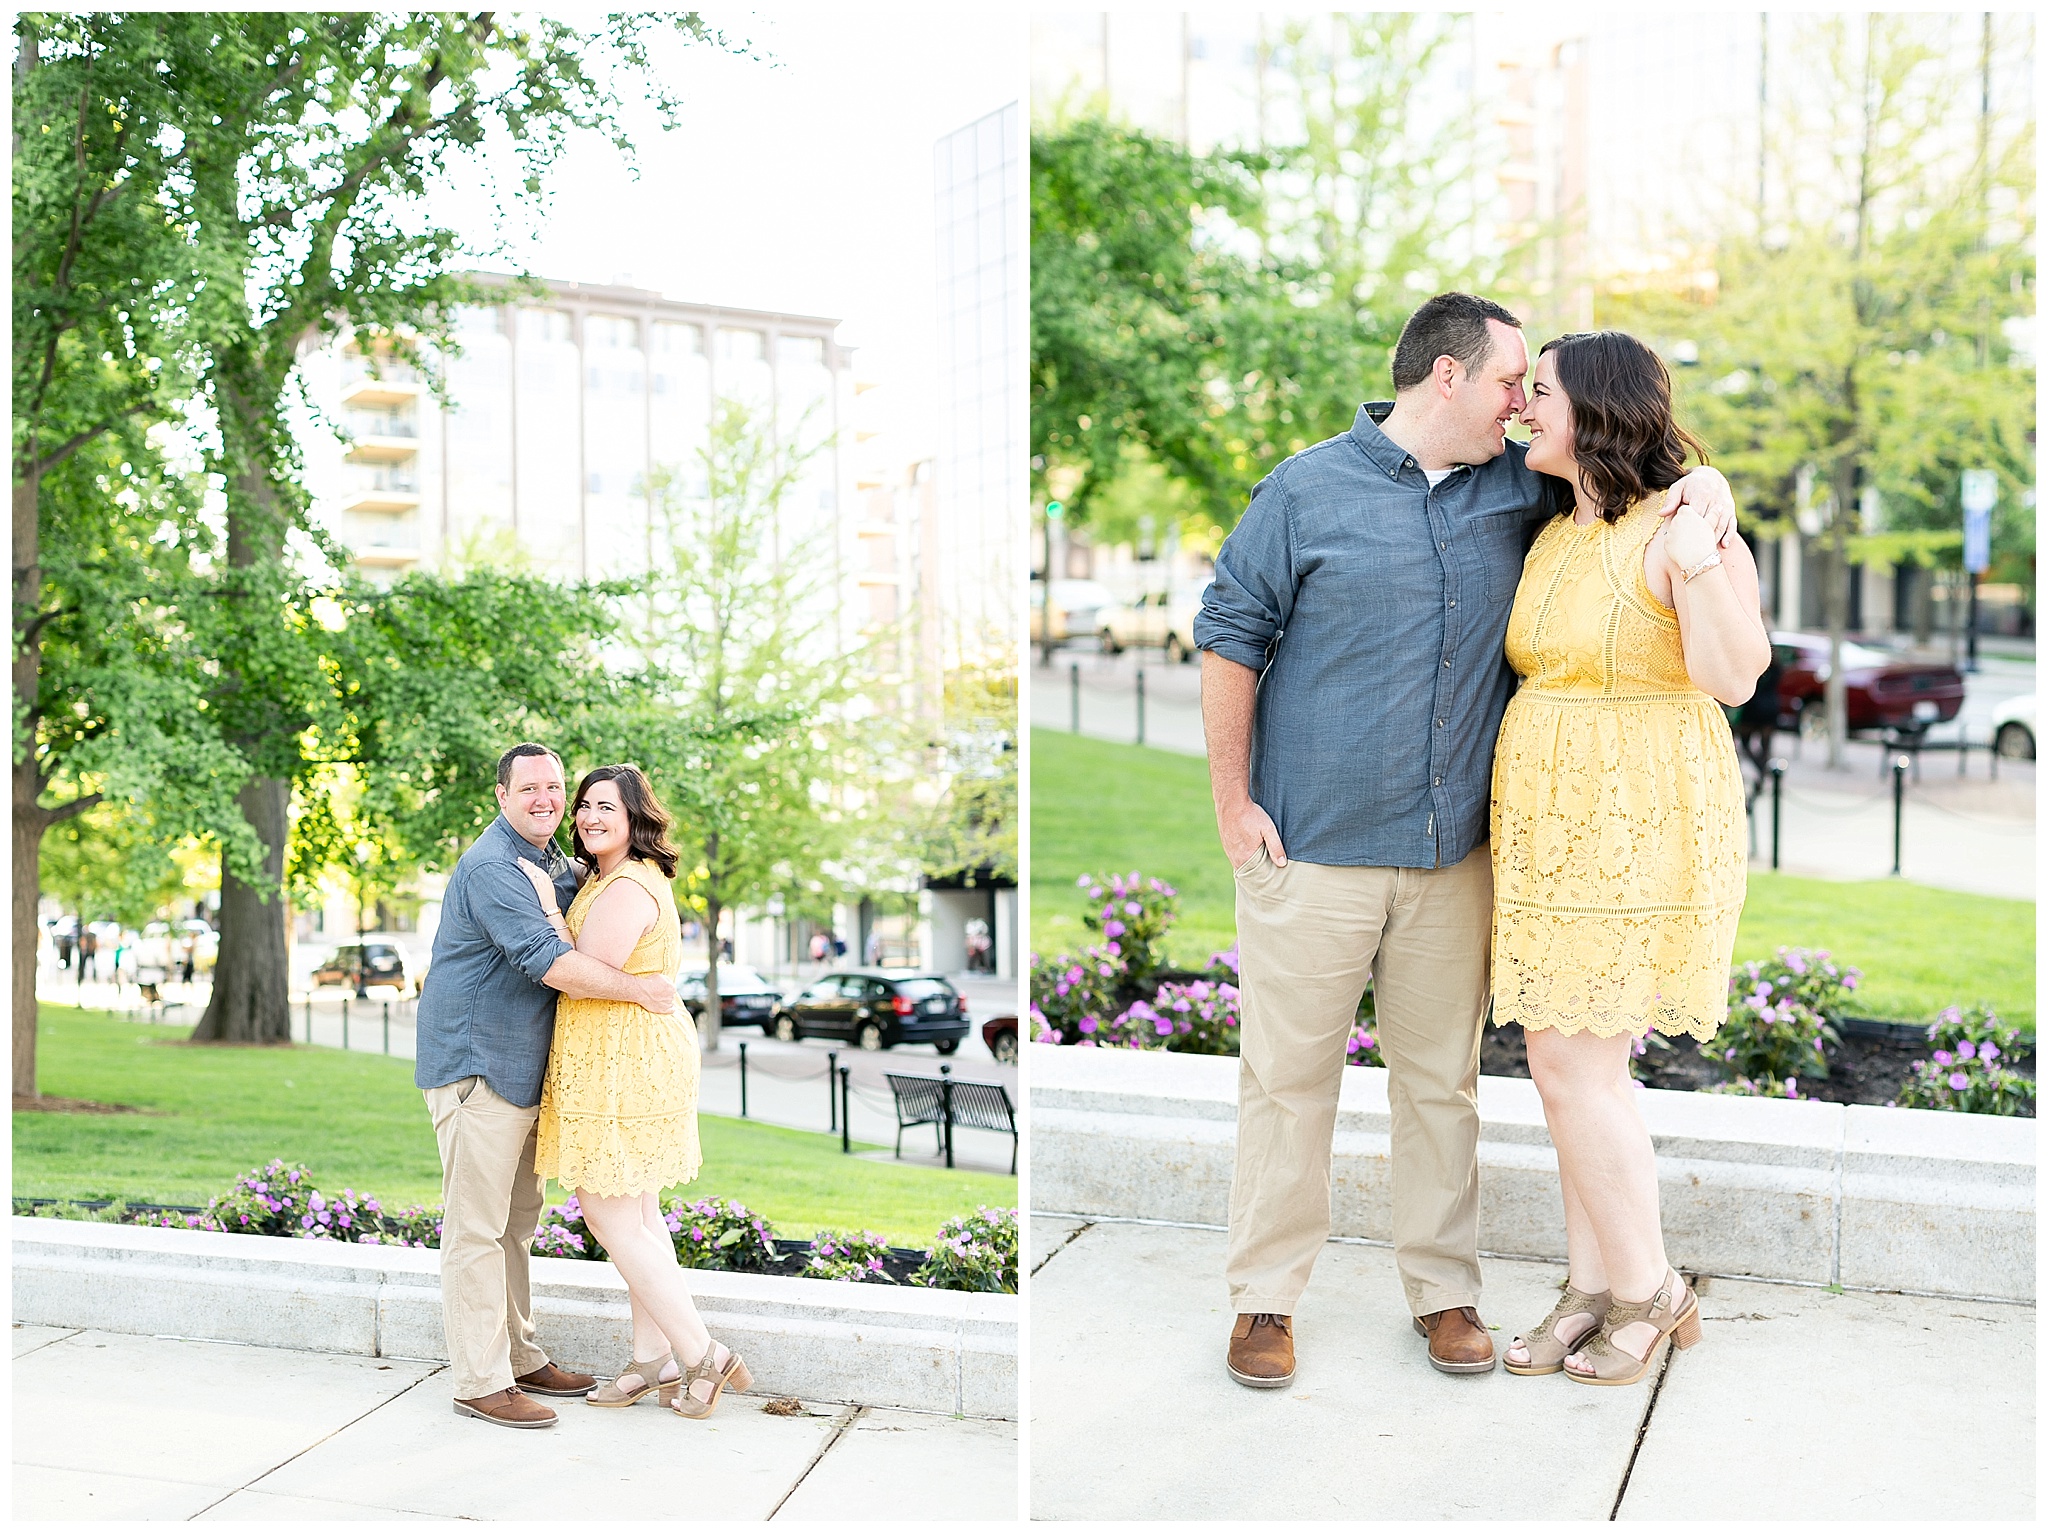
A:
(1969, 1070)
(843, 1256)
(1781, 1016)
(976, 1253)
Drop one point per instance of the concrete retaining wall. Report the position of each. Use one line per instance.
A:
(916, 1348)
(1868, 1197)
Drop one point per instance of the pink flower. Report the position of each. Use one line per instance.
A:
(1966, 1050)
(1958, 1081)
(1944, 1057)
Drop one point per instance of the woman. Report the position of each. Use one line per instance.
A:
(1618, 850)
(618, 1110)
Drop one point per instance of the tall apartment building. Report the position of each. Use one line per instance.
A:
(559, 415)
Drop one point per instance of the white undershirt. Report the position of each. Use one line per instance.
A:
(1437, 476)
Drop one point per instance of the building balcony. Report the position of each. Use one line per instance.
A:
(385, 502)
(367, 393)
(382, 541)
(380, 447)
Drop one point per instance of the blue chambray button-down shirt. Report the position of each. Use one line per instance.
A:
(484, 1010)
(1375, 609)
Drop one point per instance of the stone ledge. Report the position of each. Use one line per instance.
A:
(1814, 1192)
(914, 1348)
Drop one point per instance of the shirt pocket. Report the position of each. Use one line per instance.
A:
(1498, 540)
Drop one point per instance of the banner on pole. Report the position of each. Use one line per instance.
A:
(1980, 494)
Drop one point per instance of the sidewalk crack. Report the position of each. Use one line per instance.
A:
(32, 1351)
(1065, 1240)
(840, 1428)
(301, 1453)
(1642, 1432)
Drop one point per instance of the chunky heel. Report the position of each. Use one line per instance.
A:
(738, 1377)
(1688, 1332)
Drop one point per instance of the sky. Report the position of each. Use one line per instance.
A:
(801, 184)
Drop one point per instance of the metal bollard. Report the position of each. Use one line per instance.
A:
(743, 1080)
(309, 1016)
(1074, 694)
(1899, 765)
(344, 1023)
(1141, 705)
(845, 1110)
(831, 1091)
(1777, 798)
(387, 1027)
(946, 1108)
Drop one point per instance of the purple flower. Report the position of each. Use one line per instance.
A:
(1966, 1050)
(1944, 1057)
(1132, 908)
(1958, 1081)
(1113, 928)
(1162, 1027)
(1988, 1052)
(1792, 1087)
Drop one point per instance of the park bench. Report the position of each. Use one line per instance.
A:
(922, 1099)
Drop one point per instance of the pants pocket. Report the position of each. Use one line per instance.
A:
(1250, 862)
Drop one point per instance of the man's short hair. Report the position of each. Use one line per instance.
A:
(523, 748)
(1448, 325)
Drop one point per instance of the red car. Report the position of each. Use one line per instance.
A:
(1885, 692)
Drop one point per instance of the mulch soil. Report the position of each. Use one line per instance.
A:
(1861, 1071)
(68, 1104)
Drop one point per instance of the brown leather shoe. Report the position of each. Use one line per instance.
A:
(550, 1380)
(507, 1408)
(1458, 1342)
(1262, 1351)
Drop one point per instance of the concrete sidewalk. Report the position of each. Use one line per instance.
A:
(136, 1427)
(1801, 1403)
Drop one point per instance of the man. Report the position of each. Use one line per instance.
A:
(1353, 681)
(486, 1018)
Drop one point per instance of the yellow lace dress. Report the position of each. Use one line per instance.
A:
(1619, 857)
(618, 1109)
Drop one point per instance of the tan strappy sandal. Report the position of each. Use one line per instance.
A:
(1672, 1310)
(1546, 1351)
(735, 1375)
(647, 1371)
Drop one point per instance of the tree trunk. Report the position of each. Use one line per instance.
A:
(29, 817)
(1838, 612)
(251, 977)
(714, 1012)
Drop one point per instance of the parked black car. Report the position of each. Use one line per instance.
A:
(877, 1009)
(362, 965)
(744, 998)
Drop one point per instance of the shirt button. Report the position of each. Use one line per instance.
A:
(1438, 781)
(1439, 723)
(1454, 601)
(1447, 665)
(1442, 546)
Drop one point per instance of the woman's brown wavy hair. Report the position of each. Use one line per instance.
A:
(1625, 438)
(647, 823)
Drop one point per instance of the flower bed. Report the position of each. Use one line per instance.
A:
(1788, 1033)
(975, 1253)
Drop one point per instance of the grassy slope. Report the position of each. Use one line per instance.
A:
(1098, 807)
(358, 1121)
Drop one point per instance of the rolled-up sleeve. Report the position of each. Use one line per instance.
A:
(1252, 596)
(503, 904)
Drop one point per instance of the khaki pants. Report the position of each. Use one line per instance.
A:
(491, 1199)
(1308, 937)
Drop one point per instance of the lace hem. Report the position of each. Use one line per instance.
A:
(616, 1156)
(1609, 972)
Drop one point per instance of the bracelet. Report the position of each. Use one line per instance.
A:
(1701, 568)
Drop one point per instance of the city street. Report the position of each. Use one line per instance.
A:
(1961, 828)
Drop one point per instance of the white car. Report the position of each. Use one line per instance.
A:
(1079, 608)
(2012, 728)
(1156, 620)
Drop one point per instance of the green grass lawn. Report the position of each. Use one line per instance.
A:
(357, 1120)
(1101, 808)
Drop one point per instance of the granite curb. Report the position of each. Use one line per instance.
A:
(1879, 1198)
(915, 1349)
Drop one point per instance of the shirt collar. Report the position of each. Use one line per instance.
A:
(1389, 456)
(549, 857)
(1375, 443)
